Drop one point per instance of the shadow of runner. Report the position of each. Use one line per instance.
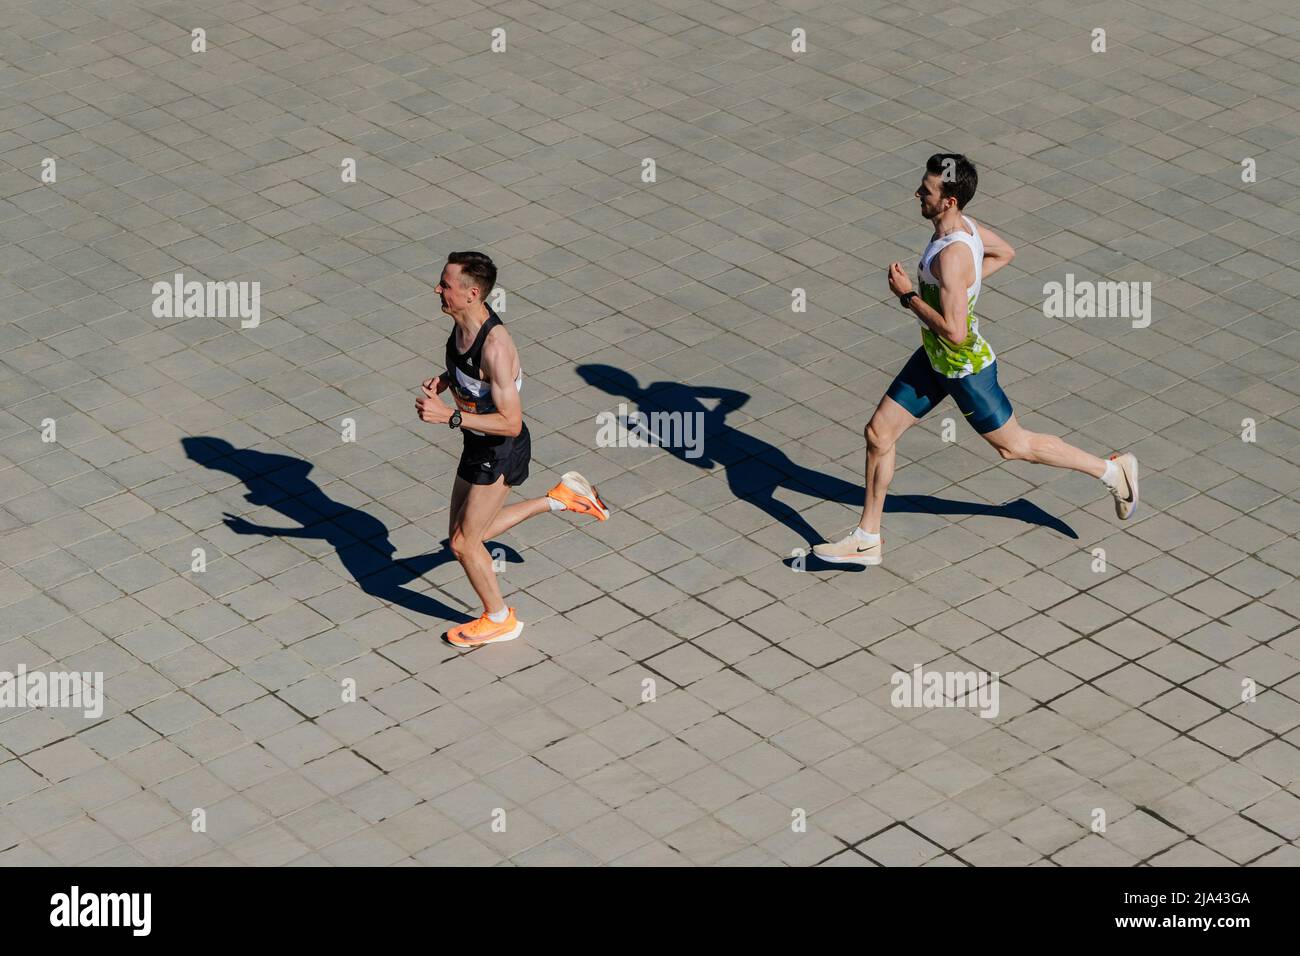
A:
(360, 540)
(755, 469)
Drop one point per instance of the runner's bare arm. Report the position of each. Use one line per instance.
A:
(997, 251)
(499, 358)
(954, 267)
(499, 363)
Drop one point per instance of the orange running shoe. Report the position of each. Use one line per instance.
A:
(577, 494)
(484, 631)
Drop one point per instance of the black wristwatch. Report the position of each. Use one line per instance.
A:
(905, 298)
(454, 421)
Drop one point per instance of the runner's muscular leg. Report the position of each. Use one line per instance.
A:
(883, 431)
(459, 490)
(481, 506)
(506, 518)
(1015, 443)
(511, 515)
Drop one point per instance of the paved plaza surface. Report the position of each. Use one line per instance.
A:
(689, 688)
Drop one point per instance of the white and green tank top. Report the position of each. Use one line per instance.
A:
(974, 354)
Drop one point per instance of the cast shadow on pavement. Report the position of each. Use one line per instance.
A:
(756, 469)
(360, 540)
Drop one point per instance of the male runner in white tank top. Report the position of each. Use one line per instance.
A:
(484, 377)
(954, 359)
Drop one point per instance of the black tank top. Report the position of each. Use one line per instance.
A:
(469, 389)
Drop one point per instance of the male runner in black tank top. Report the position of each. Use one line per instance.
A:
(484, 377)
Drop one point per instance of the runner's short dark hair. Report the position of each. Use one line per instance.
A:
(956, 174)
(475, 269)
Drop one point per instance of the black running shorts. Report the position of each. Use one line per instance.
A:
(483, 462)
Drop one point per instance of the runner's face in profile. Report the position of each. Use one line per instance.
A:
(454, 296)
(931, 195)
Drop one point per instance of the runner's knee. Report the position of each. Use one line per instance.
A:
(1017, 448)
(877, 439)
(462, 544)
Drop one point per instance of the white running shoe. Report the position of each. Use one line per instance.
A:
(1125, 490)
(851, 550)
